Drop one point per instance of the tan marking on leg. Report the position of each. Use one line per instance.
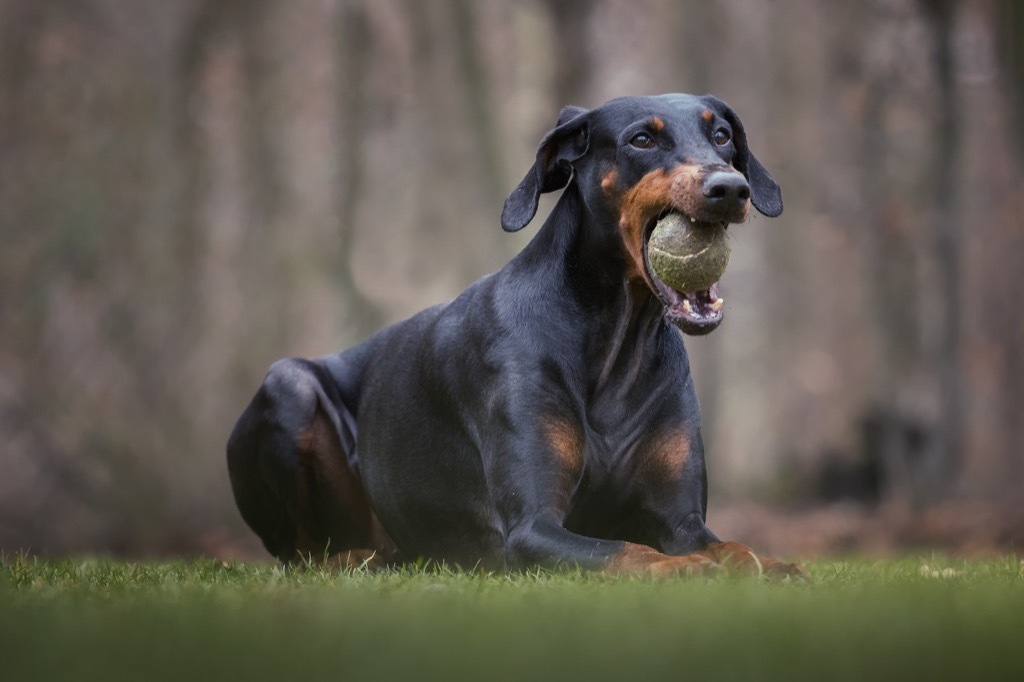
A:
(333, 513)
(642, 560)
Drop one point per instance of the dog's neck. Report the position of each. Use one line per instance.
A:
(623, 317)
(596, 262)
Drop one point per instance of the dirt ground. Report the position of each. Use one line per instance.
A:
(958, 528)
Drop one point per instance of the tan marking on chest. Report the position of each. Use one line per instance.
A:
(566, 441)
(669, 453)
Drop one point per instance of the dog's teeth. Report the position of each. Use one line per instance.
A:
(687, 308)
(693, 220)
(716, 304)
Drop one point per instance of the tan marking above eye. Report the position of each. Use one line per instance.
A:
(707, 115)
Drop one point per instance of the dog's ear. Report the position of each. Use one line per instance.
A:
(764, 191)
(552, 170)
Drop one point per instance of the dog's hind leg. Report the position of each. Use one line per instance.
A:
(293, 471)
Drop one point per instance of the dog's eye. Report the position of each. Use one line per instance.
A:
(642, 141)
(722, 136)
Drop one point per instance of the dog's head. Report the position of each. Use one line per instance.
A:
(636, 159)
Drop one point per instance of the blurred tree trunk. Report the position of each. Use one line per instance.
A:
(20, 23)
(698, 24)
(1009, 31)
(353, 49)
(891, 278)
(474, 87)
(573, 66)
(472, 84)
(440, 119)
(948, 248)
(200, 37)
(262, 166)
(1008, 27)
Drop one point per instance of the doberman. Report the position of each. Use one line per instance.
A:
(547, 415)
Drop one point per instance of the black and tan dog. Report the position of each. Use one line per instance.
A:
(546, 416)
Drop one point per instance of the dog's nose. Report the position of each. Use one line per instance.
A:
(726, 188)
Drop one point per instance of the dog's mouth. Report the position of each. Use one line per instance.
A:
(694, 312)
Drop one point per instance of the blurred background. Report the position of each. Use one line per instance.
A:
(190, 190)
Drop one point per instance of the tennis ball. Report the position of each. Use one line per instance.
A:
(688, 256)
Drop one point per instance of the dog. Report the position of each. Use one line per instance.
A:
(547, 415)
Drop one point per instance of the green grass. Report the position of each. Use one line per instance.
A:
(922, 618)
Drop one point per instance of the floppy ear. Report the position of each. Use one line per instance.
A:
(552, 170)
(764, 191)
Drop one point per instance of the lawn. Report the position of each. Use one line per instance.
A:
(926, 618)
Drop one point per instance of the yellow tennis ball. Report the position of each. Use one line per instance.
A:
(688, 256)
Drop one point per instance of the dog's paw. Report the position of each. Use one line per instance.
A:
(739, 558)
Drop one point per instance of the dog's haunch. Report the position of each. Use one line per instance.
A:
(688, 256)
